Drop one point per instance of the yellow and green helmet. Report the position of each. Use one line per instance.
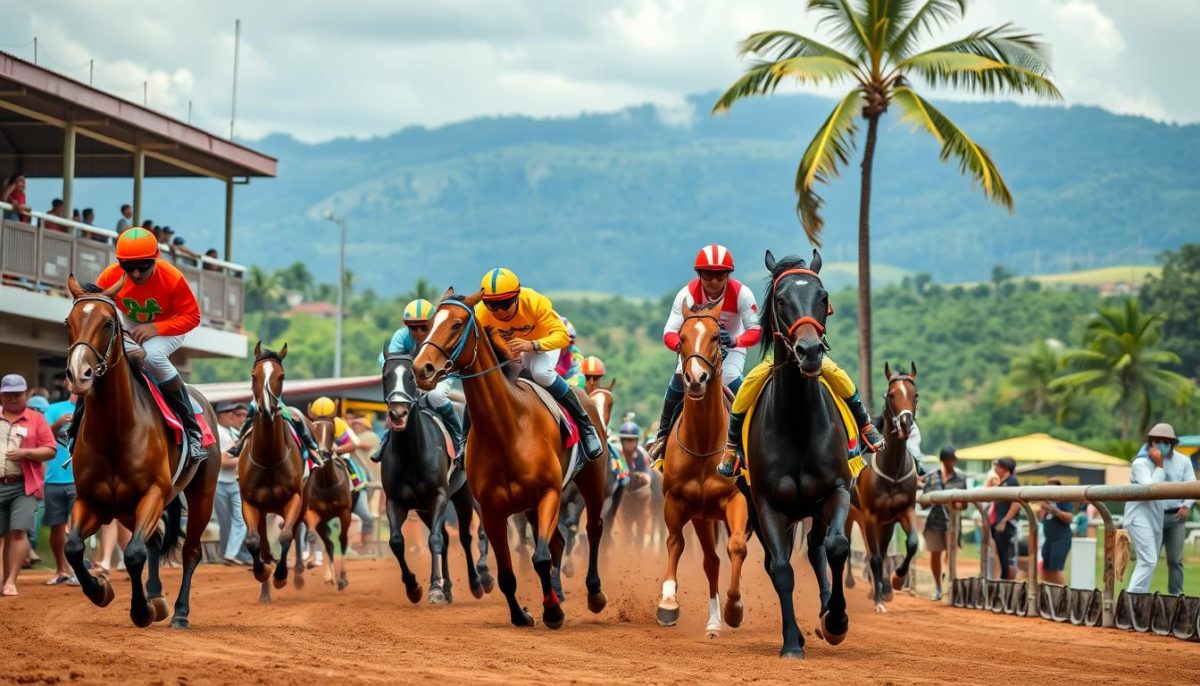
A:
(500, 284)
(418, 311)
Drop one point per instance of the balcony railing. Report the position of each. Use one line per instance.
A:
(40, 259)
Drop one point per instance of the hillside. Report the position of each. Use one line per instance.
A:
(619, 202)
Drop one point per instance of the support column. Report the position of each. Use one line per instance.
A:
(68, 170)
(139, 171)
(228, 220)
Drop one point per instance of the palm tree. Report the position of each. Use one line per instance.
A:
(1121, 362)
(423, 289)
(1030, 374)
(876, 50)
(264, 294)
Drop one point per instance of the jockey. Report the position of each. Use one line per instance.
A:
(739, 327)
(406, 341)
(634, 454)
(526, 321)
(570, 359)
(344, 439)
(297, 422)
(593, 370)
(158, 309)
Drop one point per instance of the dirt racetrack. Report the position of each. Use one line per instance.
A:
(371, 634)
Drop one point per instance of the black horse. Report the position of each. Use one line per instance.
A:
(416, 476)
(797, 449)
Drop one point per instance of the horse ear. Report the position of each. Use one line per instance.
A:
(913, 366)
(111, 293)
(769, 261)
(887, 370)
(448, 294)
(474, 298)
(74, 287)
(816, 262)
(258, 348)
(283, 351)
(612, 384)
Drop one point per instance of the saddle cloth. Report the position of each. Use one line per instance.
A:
(566, 425)
(755, 384)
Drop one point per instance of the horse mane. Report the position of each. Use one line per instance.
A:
(766, 313)
(502, 357)
(267, 354)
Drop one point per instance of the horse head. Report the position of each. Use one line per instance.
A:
(795, 310)
(94, 333)
(399, 389)
(901, 399)
(266, 379)
(700, 348)
(323, 433)
(453, 329)
(602, 398)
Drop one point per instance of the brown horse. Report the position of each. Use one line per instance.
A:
(270, 472)
(693, 490)
(124, 459)
(516, 453)
(886, 492)
(573, 503)
(327, 497)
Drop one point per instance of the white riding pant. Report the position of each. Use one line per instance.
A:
(440, 394)
(158, 354)
(1146, 534)
(541, 366)
(731, 368)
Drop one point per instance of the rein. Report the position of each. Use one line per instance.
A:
(118, 332)
(715, 368)
(807, 319)
(462, 344)
(712, 365)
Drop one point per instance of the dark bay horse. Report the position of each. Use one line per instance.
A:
(886, 491)
(516, 454)
(797, 449)
(415, 473)
(124, 459)
(693, 491)
(271, 472)
(326, 498)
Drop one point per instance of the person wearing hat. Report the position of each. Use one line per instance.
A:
(1153, 523)
(937, 522)
(25, 443)
(630, 435)
(1003, 517)
(228, 503)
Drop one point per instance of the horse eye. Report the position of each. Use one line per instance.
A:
(457, 326)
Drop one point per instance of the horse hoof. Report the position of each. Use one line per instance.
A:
(264, 600)
(523, 619)
(880, 609)
(668, 616)
(106, 594)
(897, 582)
(568, 569)
(342, 584)
(142, 620)
(414, 593)
(553, 616)
(436, 597)
(887, 595)
(299, 582)
(712, 633)
(159, 608)
(477, 590)
(734, 613)
(486, 580)
(829, 636)
(179, 623)
(261, 573)
(597, 602)
(279, 583)
(849, 582)
(792, 653)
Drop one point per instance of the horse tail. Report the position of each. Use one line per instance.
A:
(174, 520)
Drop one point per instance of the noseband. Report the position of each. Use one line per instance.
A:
(895, 416)
(806, 319)
(452, 356)
(709, 362)
(118, 332)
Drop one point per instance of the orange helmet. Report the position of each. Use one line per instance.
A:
(592, 366)
(137, 244)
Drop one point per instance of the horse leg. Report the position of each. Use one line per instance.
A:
(497, 530)
(777, 539)
(907, 522)
(546, 522)
(256, 537)
(86, 523)
(343, 541)
(737, 517)
(569, 529)
(200, 510)
(614, 503)
(447, 585)
(312, 522)
(462, 508)
(593, 500)
(668, 606)
(558, 544)
(397, 515)
(436, 521)
(834, 621)
(291, 525)
(485, 574)
(712, 570)
(149, 512)
(881, 538)
(850, 520)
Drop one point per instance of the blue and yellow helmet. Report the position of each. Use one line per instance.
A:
(500, 284)
(418, 311)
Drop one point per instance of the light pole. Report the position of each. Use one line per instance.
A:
(337, 344)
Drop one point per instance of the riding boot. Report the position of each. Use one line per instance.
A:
(871, 438)
(733, 446)
(671, 401)
(453, 425)
(461, 458)
(73, 427)
(306, 437)
(377, 456)
(592, 445)
(180, 403)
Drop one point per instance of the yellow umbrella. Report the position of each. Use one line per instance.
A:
(1041, 448)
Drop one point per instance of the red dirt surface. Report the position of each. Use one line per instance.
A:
(371, 634)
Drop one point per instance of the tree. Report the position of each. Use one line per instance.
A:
(881, 37)
(1174, 294)
(1122, 364)
(264, 294)
(1030, 375)
(423, 289)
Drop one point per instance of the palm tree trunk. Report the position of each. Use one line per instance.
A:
(865, 377)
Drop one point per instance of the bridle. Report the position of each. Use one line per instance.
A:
(712, 365)
(895, 417)
(117, 332)
(460, 346)
(784, 333)
(709, 362)
(278, 399)
(398, 394)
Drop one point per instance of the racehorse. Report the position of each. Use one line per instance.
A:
(124, 459)
(271, 472)
(572, 503)
(517, 455)
(327, 497)
(693, 491)
(886, 491)
(797, 449)
(415, 468)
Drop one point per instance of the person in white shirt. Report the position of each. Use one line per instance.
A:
(228, 503)
(1177, 467)
(1144, 519)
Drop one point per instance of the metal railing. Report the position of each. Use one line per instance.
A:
(1025, 495)
(40, 258)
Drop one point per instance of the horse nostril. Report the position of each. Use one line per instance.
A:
(87, 374)
(703, 378)
(428, 369)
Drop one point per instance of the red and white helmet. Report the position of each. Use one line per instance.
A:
(716, 258)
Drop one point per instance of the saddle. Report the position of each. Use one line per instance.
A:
(180, 480)
(566, 426)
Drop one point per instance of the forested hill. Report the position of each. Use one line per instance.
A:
(619, 202)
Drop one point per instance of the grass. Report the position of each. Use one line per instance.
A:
(1130, 274)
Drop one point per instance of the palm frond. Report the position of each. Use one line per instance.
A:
(988, 61)
(764, 77)
(846, 20)
(830, 148)
(933, 14)
(776, 45)
(973, 160)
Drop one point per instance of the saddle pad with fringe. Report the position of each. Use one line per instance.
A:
(854, 457)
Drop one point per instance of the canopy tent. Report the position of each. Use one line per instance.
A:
(1040, 448)
(1189, 445)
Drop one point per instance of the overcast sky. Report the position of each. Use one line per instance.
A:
(320, 69)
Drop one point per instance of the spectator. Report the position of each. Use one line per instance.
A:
(1003, 517)
(38, 404)
(25, 443)
(110, 535)
(126, 218)
(57, 209)
(40, 392)
(1056, 537)
(1144, 519)
(368, 443)
(228, 504)
(180, 249)
(60, 491)
(1177, 467)
(937, 523)
(148, 225)
(74, 215)
(88, 217)
(13, 193)
(211, 254)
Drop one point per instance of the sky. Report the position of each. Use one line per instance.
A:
(319, 70)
